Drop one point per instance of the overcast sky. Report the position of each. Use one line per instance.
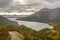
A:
(6, 4)
(43, 3)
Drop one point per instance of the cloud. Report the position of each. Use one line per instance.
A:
(4, 3)
(51, 4)
(42, 3)
(45, 3)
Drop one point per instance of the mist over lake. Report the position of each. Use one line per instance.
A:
(34, 25)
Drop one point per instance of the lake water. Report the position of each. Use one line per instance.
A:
(34, 25)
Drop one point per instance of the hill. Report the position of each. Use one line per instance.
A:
(7, 22)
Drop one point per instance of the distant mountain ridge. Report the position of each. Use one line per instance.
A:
(44, 15)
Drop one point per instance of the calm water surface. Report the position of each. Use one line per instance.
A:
(34, 25)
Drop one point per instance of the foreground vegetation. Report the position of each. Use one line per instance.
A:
(29, 34)
(4, 34)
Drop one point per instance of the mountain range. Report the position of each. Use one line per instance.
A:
(44, 15)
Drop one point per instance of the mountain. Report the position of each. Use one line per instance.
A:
(44, 15)
(5, 21)
(50, 13)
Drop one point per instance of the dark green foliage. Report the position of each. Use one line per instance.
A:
(55, 20)
(4, 34)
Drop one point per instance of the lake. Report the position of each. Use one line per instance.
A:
(34, 25)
